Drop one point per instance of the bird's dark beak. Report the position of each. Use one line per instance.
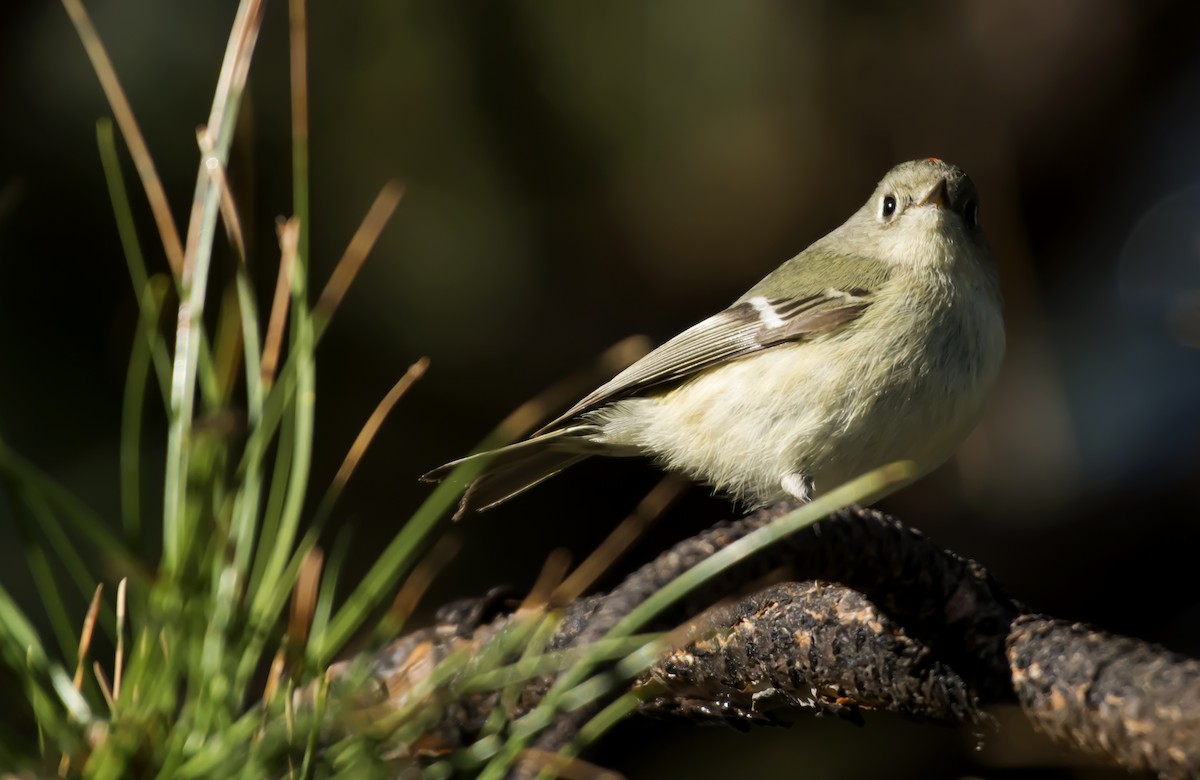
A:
(938, 196)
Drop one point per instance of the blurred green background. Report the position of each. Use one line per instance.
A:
(577, 172)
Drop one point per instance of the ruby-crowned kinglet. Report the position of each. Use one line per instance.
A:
(878, 343)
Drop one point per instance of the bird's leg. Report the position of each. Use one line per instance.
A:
(798, 486)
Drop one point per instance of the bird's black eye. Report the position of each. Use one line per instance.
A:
(889, 206)
(971, 213)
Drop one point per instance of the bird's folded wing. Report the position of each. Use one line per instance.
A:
(743, 329)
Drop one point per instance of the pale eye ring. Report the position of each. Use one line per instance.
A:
(889, 206)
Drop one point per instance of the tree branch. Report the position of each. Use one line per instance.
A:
(909, 628)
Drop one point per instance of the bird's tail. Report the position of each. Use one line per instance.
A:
(518, 467)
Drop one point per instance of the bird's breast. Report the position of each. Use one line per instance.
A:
(893, 386)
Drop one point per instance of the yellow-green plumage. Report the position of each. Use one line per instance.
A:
(877, 343)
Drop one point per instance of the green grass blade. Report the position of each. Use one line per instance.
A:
(133, 407)
(278, 551)
(49, 596)
(329, 580)
(399, 555)
(303, 345)
(244, 521)
(538, 664)
(384, 574)
(36, 520)
(272, 516)
(149, 305)
(263, 619)
(75, 512)
(863, 489)
(22, 650)
(868, 486)
(194, 282)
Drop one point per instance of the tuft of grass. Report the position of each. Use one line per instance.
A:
(196, 625)
(240, 591)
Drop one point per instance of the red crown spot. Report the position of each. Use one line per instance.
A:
(934, 160)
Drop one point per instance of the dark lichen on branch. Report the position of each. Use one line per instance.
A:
(873, 616)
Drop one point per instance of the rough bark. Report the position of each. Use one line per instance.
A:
(872, 616)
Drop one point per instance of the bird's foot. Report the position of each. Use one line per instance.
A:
(798, 486)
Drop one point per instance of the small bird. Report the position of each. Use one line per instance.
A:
(877, 343)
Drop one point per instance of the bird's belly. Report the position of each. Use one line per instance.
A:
(813, 410)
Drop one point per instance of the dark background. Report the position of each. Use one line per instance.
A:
(577, 172)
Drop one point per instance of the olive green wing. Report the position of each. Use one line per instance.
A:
(749, 326)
